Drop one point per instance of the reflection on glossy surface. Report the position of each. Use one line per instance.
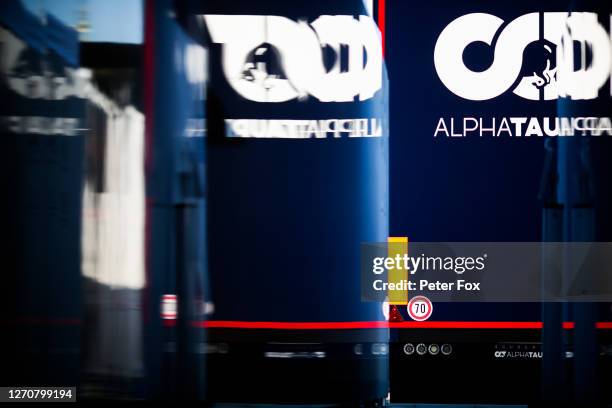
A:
(81, 306)
(112, 242)
(42, 145)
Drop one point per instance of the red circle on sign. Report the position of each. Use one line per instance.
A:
(419, 308)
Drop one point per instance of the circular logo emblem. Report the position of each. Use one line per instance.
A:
(420, 308)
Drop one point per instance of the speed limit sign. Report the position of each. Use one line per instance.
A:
(420, 308)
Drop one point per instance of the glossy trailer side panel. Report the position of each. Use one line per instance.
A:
(466, 189)
(476, 188)
(287, 213)
(175, 80)
(105, 213)
(41, 178)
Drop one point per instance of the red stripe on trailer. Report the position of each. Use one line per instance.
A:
(232, 324)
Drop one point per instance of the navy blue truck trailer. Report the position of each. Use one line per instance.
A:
(41, 179)
(104, 206)
(481, 182)
(297, 173)
(175, 77)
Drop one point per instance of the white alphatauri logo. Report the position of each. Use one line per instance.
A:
(537, 62)
(276, 59)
